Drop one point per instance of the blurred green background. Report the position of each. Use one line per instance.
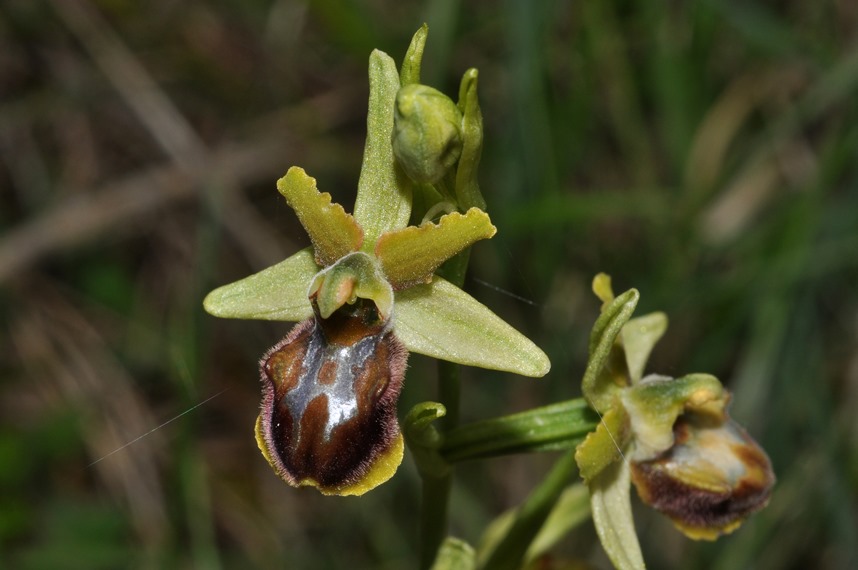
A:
(705, 152)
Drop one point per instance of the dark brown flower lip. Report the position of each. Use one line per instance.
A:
(330, 390)
(697, 508)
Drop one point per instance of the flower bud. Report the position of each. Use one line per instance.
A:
(427, 137)
(711, 480)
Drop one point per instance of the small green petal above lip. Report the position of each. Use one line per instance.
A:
(334, 233)
(440, 320)
(277, 293)
(639, 337)
(411, 255)
(383, 200)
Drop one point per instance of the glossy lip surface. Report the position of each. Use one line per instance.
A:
(328, 371)
(329, 399)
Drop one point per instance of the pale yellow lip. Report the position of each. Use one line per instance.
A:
(713, 478)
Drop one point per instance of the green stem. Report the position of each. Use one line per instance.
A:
(433, 517)
(436, 489)
(557, 426)
(509, 553)
(449, 392)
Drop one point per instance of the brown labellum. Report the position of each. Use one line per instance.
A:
(713, 477)
(329, 390)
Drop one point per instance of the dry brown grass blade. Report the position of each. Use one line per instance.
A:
(128, 76)
(117, 205)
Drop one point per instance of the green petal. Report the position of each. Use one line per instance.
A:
(384, 194)
(604, 445)
(639, 337)
(334, 233)
(410, 72)
(605, 373)
(278, 293)
(612, 516)
(440, 320)
(467, 187)
(411, 255)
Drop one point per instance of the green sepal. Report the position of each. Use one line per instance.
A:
(440, 320)
(334, 233)
(424, 440)
(277, 293)
(354, 276)
(654, 404)
(612, 516)
(562, 425)
(606, 371)
(639, 337)
(467, 186)
(605, 445)
(411, 255)
(455, 554)
(410, 71)
(383, 200)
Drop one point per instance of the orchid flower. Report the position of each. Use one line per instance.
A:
(671, 437)
(366, 292)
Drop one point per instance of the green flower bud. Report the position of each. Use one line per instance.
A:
(427, 136)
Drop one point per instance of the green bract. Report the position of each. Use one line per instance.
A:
(369, 275)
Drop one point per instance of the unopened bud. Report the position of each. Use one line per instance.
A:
(427, 137)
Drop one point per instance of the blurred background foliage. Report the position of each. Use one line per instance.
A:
(705, 152)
